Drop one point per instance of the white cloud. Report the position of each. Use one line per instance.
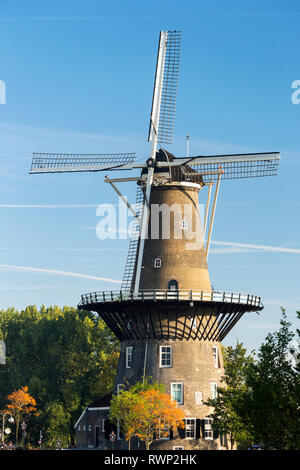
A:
(57, 272)
(251, 247)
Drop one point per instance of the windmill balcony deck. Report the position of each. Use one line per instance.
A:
(170, 315)
(252, 301)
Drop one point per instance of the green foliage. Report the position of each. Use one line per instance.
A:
(272, 401)
(67, 357)
(227, 418)
(260, 402)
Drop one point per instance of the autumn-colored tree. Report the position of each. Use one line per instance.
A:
(145, 411)
(155, 413)
(21, 404)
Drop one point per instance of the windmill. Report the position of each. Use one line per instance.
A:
(166, 310)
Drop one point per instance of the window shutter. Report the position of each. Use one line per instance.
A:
(202, 424)
(198, 428)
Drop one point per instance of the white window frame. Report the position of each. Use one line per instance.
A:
(164, 438)
(184, 224)
(191, 428)
(198, 397)
(208, 431)
(216, 356)
(119, 388)
(182, 392)
(129, 354)
(161, 356)
(157, 263)
(90, 427)
(213, 390)
(78, 428)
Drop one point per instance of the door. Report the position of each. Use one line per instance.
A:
(97, 436)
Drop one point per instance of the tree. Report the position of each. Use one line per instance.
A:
(64, 355)
(145, 411)
(122, 411)
(272, 401)
(155, 413)
(56, 423)
(227, 417)
(21, 404)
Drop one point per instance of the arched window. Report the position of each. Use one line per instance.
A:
(173, 285)
(157, 263)
(184, 224)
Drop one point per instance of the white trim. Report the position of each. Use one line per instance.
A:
(190, 185)
(208, 428)
(184, 224)
(80, 417)
(127, 365)
(99, 408)
(214, 390)
(162, 366)
(194, 428)
(193, 323)
(182, 391)
(215, 352)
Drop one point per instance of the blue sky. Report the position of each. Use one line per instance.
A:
(79, 78)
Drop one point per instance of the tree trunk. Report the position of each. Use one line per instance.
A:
(17, 431)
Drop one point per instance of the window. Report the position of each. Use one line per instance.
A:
(208, 432)
(216, 356)
(164, 433)
(190, 428)
(173, 285)
(78, 427)
(165, 356)
(223, 440)
(184, 224)
(157, 263)
(214, 391)
(119, 388)
(199, 398)
(194, 323)
(103, 425)
(177, 392)
(90, 427)
(129, 351)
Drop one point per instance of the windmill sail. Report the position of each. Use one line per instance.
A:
(165, 88)
(204, 169)
(67, 162)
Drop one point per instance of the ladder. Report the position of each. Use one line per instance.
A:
(134, 242)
